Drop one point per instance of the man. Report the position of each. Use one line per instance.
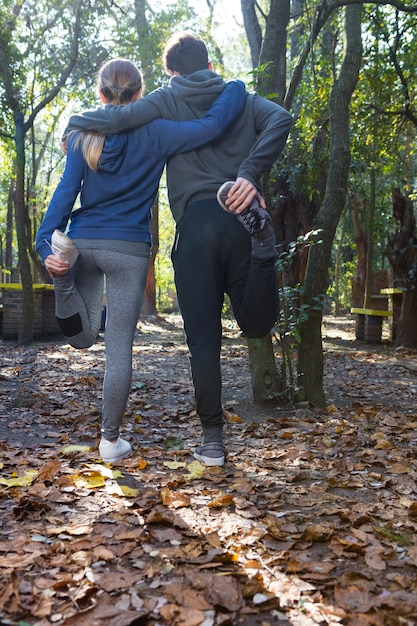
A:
(224, 241)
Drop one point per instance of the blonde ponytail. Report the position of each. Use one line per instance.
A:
(91, 145)
(119, 81)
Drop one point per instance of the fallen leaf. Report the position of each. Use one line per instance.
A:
(75, 448)
(174, 464)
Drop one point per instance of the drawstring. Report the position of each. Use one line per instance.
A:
(177, 239)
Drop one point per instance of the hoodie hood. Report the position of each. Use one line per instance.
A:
(199, 90)
(114, 152)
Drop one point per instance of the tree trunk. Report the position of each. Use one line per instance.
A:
(358, 280)
(26, 323)
(337, 266)
(407, 326)
(274, 50)
(403, 258)
(266, 383)
(310, 353)
(252, 29)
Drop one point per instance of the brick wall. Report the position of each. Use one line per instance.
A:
(44, 322)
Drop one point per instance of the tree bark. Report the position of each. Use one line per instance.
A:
(403, 258)
(358, 280)
(274, 50)
(252, 29)
(310, 353)
(337, 266)
(266, 383)
(26, 325)
(407, 326)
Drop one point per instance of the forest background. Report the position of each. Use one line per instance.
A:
(341, 197)
(312, 520)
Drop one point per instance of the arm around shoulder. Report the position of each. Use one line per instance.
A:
(116, 118)
(229, 104)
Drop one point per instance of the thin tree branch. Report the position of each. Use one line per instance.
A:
(65, 73)
(322, 14)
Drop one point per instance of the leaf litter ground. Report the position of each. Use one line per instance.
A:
(312, 520)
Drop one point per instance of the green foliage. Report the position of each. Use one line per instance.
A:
(308, 151)
(166, 294)
(343, 292)
(383, 134)
(139, 32)
(36, 38)
(6, 176)
(37, 42)
(382, 128)
(261, 74)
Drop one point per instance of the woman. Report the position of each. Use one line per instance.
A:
(108, 238)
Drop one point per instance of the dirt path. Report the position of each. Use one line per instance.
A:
(312, 520)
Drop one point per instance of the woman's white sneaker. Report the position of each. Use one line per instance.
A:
(63, 247)
(111, 452)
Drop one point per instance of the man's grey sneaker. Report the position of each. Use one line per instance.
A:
(111, 452)
(210, 454)
(255, 219)
(64, 247)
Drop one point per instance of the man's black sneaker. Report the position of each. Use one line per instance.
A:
(210, 454)
(255, 219)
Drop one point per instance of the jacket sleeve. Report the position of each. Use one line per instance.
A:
(62, 202)
(176, 137)
(273, 124)
(116, 118)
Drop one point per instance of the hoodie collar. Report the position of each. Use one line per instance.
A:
(197, 88)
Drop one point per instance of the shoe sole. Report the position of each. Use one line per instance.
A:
(115, 459)
(209, 461)
(120, 458)
(220, 200)
(223, 191)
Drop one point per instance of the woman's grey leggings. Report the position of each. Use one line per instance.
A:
(78, 307)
